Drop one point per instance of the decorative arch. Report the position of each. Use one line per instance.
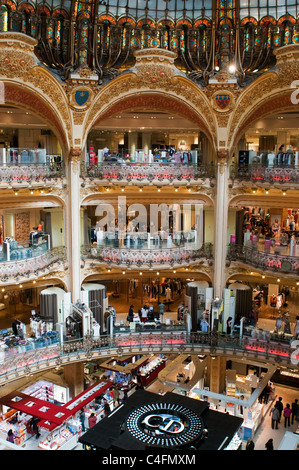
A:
(105, 18)
(280, 102)
(165, 23)
(266, 20)
(249, 20)
(25, 98)
(146, 22)
(155, 100)
(126, 20)
(9, 4)
(184, 22)
(60, 12)
(288, 18)
(26, 7)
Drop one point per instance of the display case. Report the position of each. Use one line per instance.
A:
(63, 438)
(235, 443)
(19, 431)
(151, 370)
(252, 419)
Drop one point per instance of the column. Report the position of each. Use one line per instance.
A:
(146, 141)
(132, 142)
(74, 376)
(220, 236)
(73, 223)
(216, 374)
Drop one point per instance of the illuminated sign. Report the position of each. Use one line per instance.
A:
(164, 424)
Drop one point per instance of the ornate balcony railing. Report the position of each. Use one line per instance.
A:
(30, 172)
(147, 258)
(18, 165)
(23, 269)
(147, 172)
(262, 260)
(265, 174)
(14, 365)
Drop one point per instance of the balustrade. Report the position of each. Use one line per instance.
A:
(267, 174)
(19, 165)
(144, 257)
(14, 364)
(14, 270)
(147, 171)
(262, 260)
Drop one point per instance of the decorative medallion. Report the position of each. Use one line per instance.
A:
(222, 101)
(165, 424)
(81, 97)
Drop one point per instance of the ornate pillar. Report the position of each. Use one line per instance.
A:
(221, 217)
(73, 223)
(74, 376)
(216, 372)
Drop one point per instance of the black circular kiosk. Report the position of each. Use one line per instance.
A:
(148, 421)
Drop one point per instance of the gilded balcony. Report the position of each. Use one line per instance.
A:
(24, 166)
(281, 175)
(266, 261)
(148, 173)
(30, 263)
(141, 251)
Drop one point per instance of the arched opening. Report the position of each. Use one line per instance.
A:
(32, 221)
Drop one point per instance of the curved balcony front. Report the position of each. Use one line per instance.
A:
(15, 364)
(148, 173)
(258, 173)
(29, 166)
(31, 267)
(265, 261)
(141, 251)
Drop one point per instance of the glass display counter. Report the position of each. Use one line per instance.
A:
(151, 370)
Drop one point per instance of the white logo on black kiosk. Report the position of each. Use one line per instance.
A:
(167, 423)
(164, 424)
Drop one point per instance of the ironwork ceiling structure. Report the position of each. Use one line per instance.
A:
(208, 36)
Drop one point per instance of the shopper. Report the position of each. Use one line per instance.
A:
(82, 419)
(229, 325)
(295, 409)
(250, 445)
(10, 436)
(92, 420)
(33, 424)
(275, 417)
(287, 415)
(279, 405)
(144, 314)
(130, 314)
(116, 395)
(269, 445)
(125, 396)
(107, 410)
(139, 386)
(161, 309)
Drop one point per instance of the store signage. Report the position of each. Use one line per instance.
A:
(164, 424)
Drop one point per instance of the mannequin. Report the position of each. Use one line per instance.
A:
(278, 323)
(293, 246)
